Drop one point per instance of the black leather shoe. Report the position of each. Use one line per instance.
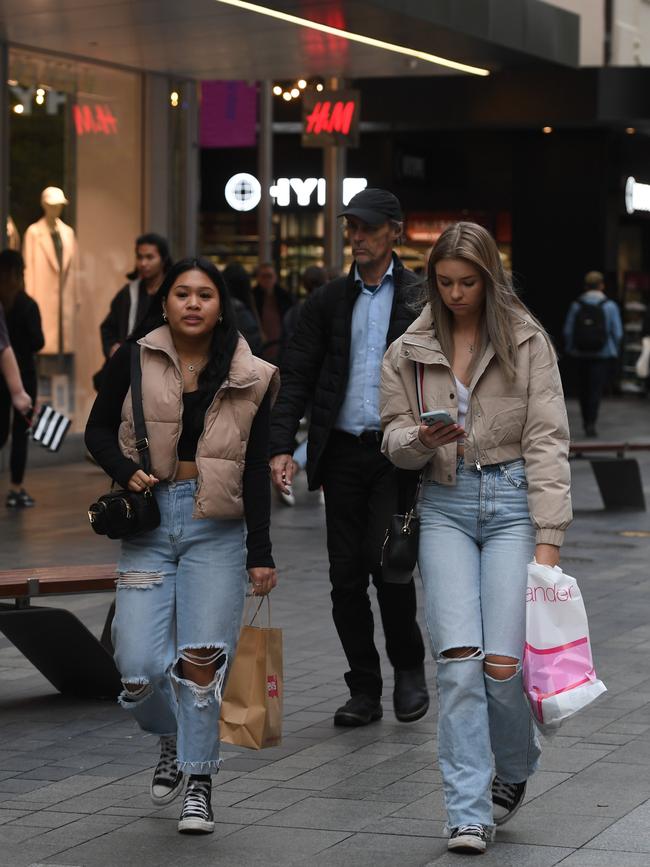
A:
(410, 696)
(359, 711)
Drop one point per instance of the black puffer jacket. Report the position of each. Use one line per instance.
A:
(316, 362)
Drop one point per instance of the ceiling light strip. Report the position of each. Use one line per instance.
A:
(355, 37)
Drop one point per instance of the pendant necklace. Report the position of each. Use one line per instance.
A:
(192, 366)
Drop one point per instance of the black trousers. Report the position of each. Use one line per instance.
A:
(593, 375)
(19, 438)
(360, 488)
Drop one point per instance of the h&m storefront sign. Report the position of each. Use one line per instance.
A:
(331, 118)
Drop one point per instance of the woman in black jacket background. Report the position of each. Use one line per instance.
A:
(26, 335)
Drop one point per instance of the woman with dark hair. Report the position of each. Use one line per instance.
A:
(181, 587)
(26, 337)
(131, 304)
(239, 283)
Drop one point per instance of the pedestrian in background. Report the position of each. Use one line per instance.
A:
(239, 284)
(334, 363)
(181, 587)
(593, 332)
(496, 493)
(131, 304)
(23, 322)
(272, 302)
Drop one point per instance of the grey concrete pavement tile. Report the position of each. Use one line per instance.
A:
(47, 819)
(630, 833)
(552, 829)
(508, 855)
(273, 798)
(390, 825)
(635, 753)
(149, 843)
(573, 759)
(279, 846)
(328, 814)
(610, 858)
(375, 850)
(51, 773)
(542, 781)
(246, 785)
(63, 790)
(604, 789)
(18, 785)
(431, 806)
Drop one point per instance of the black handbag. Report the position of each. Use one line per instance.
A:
(399, 553)
(121, 513)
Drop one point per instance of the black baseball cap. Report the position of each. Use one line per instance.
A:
(374, 207)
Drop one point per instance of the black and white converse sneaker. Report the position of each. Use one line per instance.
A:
(167, 780)
(196, 815)
(507, 798)
(468, 840)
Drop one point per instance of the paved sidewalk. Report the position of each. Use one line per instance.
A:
(74, 775)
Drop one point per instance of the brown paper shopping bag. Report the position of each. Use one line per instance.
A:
(251, 707)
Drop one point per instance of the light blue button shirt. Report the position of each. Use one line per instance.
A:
(370, 320)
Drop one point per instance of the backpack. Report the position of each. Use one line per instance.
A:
(590, 327)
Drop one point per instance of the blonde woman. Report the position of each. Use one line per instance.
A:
(496, 492)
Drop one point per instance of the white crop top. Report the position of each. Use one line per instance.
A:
(463, 401)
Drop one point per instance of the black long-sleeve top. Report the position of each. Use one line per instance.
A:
(102, 442)
(25, 331)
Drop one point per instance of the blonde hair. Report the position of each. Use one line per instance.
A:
(474, 244)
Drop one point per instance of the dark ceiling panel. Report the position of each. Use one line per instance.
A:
(204, 38)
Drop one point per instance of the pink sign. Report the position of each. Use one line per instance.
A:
(228, 114)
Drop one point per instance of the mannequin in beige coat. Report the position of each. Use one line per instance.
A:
(51, 279)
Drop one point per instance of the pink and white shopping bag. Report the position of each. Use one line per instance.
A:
(559, 675)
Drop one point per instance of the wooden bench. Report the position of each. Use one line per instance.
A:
(53, 639)
(618, 477)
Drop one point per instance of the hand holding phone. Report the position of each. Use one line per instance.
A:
(437, 415)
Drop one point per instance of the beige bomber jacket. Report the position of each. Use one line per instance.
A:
(221, 449)
(505, 420)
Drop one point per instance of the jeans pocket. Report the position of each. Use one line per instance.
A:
(515, 474)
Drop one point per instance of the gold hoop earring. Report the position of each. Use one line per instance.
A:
(164, 316)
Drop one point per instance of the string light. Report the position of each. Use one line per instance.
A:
(319, 87)
(277, 90)
(302, 84)
(547, 129)
(286, 95)
(40, 96)
(630, 130)
(295, 92)
(19, 109)
(174, 98)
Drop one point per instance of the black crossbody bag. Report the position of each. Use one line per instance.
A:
(399, 553)
(121, 513)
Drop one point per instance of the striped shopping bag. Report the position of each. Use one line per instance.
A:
(49, 427)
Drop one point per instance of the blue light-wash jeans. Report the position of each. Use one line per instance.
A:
(180, 587)
(476, 539)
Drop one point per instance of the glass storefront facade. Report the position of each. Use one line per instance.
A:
(76, 127)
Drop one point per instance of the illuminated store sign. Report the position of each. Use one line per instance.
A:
(637, 196)
(28, 96)
(94, 119)
(331, 119)
(243, 191)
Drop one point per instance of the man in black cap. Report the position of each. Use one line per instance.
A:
(334, 362)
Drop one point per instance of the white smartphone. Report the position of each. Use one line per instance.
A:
(436, 415)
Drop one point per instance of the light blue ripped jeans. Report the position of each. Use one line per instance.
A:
(476, 539)
(180, 587)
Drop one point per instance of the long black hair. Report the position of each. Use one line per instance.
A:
(160, 244)
(224, 337)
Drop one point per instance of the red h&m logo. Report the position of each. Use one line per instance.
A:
(272, 686)
(94, 119)
(331, 117)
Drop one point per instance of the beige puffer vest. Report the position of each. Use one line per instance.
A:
(221, 450)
